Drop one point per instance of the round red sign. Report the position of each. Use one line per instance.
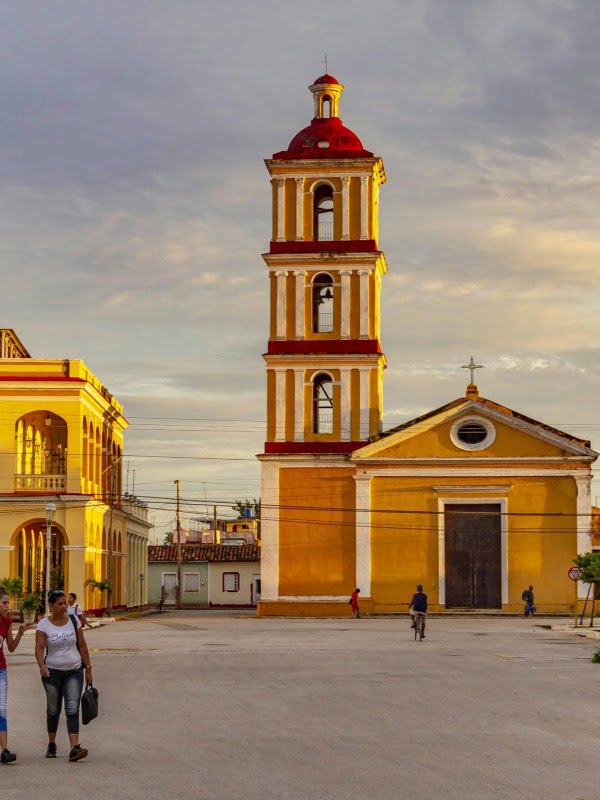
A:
(575, 573)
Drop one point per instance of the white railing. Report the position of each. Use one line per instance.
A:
(325, 422)
(325, 231)
(40, 483)
(324, 322)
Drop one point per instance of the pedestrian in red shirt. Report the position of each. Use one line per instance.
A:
(354, 603)
(12, 642)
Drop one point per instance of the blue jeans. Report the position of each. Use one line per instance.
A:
(3, 694)
(67, 684)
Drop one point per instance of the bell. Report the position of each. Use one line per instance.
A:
(328, 294)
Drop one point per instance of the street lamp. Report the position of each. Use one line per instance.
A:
(141, 577)
(50, 512)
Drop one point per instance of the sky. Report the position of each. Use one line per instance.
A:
(134, 206)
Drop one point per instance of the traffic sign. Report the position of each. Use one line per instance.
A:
(575, 573)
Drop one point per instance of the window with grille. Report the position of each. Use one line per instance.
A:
(231, 581)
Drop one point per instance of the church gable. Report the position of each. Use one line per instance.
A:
(474, 428)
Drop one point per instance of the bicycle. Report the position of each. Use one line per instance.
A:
(419, 618)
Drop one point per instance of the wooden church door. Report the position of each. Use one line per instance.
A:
(473, 561)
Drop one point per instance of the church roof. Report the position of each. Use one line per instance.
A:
(473, 397)
(204, 552)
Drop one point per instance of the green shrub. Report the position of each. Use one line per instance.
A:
(596, 657)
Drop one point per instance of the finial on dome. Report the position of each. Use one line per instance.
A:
(472, 391)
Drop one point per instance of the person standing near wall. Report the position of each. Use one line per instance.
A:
(354, 603)
(6, 757)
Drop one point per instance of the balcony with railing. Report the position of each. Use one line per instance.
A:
(324, 322)
(325, 231)
(40, 483)
(325, 422)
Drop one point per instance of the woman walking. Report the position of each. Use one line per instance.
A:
(62, 655)
(12, 642)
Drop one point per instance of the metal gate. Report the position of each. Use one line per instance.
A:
(473, 555)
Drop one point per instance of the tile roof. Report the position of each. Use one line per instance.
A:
(204, 552)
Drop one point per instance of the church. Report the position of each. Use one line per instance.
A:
(474, 500)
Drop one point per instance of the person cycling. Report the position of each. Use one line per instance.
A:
(418, 605)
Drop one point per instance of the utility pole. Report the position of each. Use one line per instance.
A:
(215, 534)
(178, 484)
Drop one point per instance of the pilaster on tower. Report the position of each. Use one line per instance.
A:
(324, 360)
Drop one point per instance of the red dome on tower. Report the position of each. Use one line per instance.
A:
(327, 79)
(326, 136)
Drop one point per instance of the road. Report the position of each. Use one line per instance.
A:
(214, 706)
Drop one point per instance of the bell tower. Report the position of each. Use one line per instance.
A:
(324, 360)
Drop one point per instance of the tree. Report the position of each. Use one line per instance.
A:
(241, 506)
(590, 565)
(14, 586)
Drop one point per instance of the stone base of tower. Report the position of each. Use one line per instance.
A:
(311, 608)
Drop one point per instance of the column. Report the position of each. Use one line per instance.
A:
(345, 404)
(364, 403)
(298, 405)
(584, 520)
(129, 573)
(144, 551)
(5, 553)
(345, 304)
(363, 533)
(280, 209)
(299, 216)
(364, 196)
(280, 404)
(280, 331)
(364, 303)
(345, 193)
(269, 526)
(300, 276)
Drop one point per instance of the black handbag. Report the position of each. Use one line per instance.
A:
(89, 704)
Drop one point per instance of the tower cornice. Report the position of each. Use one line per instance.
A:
(302, 166)
(321, 260)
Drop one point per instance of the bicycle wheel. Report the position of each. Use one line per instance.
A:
(420, 628)
(416, 627)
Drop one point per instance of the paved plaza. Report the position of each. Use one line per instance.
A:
(220, 706)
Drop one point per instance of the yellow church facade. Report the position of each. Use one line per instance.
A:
(473, 500)
(61, 445)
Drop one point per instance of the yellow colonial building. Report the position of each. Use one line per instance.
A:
(474, 500)
(61, 444)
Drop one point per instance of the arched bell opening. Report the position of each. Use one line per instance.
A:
(323, 213)
(322, 404)
(322, 303)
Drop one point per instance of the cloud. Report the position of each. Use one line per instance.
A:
(134, 204)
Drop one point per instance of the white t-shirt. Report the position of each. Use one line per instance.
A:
(61, 641)
(74, 610)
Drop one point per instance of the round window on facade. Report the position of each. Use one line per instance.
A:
(472, 433)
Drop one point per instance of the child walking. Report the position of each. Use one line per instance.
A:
(12, 642)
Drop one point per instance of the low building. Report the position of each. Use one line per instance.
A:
(212, 575)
